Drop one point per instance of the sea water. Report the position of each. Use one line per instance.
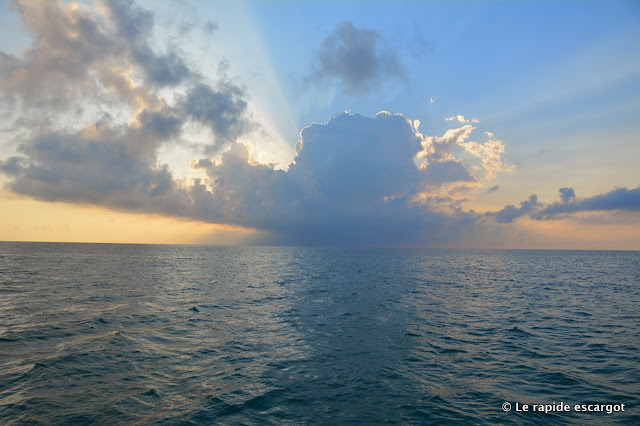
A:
(159, 334)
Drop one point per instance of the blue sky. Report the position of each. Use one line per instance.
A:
(489, 103)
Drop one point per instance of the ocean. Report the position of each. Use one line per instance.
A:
(181, 335)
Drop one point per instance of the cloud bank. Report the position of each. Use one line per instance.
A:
(355, 180)
(617, 199)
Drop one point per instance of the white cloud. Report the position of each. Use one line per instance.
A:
(490, 153)
(462, 119)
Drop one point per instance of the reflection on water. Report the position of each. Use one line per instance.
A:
(176, 334)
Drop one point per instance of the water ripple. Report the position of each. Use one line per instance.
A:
(120, 334)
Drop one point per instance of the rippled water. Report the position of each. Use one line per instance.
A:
(112, 334)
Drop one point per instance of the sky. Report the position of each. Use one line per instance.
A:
(470, 124)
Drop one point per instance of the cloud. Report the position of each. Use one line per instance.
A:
(510, 213)
(461, 119)
(437, 158)
(567, 194)
(84, 52)
(490, 153)
(355, 179)
(210, 27)
(351, 182)
(356, 58)
(617, 199)
(223, 109)
(100, 165)
(442, 172)
(438, 151)
(101, 59)
(135, 24)
(67, 44)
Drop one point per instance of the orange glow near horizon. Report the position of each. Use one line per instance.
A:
(582, 232)
(24, 219)
(578, 233)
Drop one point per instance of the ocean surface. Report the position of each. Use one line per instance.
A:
(153, 334)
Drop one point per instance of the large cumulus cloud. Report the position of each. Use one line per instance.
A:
(354, 181)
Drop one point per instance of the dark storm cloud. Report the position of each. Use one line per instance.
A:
(356, 58)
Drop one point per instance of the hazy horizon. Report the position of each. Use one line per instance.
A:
(328, 247)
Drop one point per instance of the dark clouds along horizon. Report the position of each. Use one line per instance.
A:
(354, 181)
(617, 199)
